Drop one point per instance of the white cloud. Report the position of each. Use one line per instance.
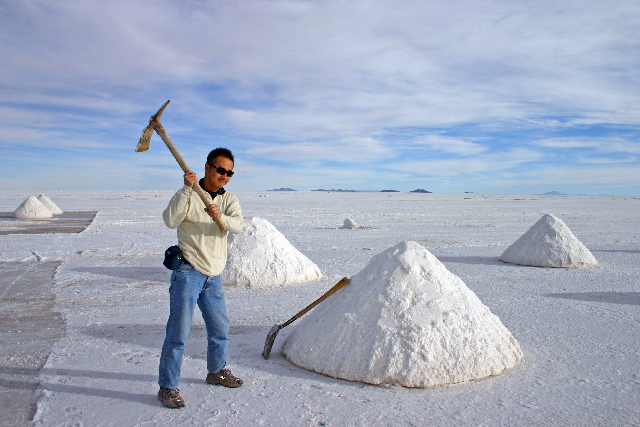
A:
(15, 134)
(355, 149)
(608, 145)
(587, 176)
(487, 163)
(567, 143)
(452, 145)
(377, 63)
(607, 160)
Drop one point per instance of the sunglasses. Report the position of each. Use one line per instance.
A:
(221, 171)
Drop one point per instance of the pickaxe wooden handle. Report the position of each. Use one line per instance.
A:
(271, 336)
(143, 145)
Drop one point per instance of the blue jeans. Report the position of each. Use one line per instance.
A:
(188, 287)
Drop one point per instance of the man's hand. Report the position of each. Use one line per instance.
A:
(190, 178)
(213, 210)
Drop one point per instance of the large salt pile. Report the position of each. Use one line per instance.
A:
(32, 208)
(404, 319)
(549, 243)
(50, 205)
(260, 255)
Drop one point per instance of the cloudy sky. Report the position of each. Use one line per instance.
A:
(482, 96)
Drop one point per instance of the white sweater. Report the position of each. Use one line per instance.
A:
(199, 237)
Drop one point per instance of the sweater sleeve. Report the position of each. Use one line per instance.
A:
(178, 207)
(232, 217)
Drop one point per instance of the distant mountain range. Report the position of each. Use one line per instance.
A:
(419, 190)
(338, 190)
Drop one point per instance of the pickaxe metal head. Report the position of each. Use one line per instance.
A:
(147, 133)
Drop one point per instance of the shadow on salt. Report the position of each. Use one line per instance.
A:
(630, 298)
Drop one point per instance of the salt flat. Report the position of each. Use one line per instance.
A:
(578, 328)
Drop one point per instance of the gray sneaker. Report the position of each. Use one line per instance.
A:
(170, 397)
(224, 377)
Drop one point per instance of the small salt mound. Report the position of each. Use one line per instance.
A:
(260, 255)
(349, 223)
(50, 205)
(404, 319)
(32, 208)
(549, 243)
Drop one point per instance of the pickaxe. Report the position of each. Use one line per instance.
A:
(143, 145)
(271, 336)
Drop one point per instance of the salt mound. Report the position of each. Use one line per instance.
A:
(260, 255)
(549, 243)
(404, 319)
(32, 208)
(349, 223)
(50, 205)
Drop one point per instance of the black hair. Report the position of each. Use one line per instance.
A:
(224, 152)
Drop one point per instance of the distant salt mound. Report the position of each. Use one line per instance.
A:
(349, 223)
(549, 243)
(55, 210)
(260, 256)
(404, 319)
(32, 208)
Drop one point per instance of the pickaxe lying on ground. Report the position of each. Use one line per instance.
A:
(143, 145)
(271, 336)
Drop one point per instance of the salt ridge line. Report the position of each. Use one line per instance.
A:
(55, 210)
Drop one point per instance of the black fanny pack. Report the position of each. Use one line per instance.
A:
(172, 257)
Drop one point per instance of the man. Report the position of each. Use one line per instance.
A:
(197, 280)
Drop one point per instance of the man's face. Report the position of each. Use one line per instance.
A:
(213, 179)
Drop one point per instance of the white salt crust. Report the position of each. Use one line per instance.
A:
(32, 208)
(404, 319)
(55, 210)
(549, 243)
(261, 256)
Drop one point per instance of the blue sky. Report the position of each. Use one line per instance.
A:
(483, 96)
